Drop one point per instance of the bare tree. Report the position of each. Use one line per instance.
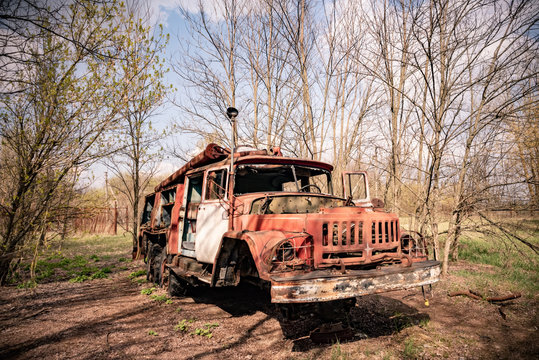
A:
(419, 87)
(141, 73)
(468, 65)
(209, 67)
(267, 57)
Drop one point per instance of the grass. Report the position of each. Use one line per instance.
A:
(511, 265)
(102, 246)
(337, 352)
(147, 291)
(159, 298)
(424, 323)
(30, 284)
(77, 260)
(411, 349)
(137, 274)
(77, 269)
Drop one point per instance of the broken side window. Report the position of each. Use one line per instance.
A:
(216, 184)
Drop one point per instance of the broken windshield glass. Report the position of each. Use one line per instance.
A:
(281, 178)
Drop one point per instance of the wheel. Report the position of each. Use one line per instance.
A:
(176, 286)
(155, 261)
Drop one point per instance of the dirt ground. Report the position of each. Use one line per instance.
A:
(111, 319)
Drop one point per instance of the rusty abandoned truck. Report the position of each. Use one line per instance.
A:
(275, 221)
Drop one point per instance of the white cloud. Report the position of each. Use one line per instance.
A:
(160, 10)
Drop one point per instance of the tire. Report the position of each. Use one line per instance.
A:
(154, 266)
(177, 287)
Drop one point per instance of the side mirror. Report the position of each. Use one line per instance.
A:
(378, 203)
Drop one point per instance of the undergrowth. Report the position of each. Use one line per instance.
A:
(72, 261)
(511, 264)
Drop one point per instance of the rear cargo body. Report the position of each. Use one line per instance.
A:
(276, 222)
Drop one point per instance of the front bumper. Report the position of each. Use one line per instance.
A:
(326, 285)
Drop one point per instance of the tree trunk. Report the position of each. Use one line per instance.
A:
(5, 262)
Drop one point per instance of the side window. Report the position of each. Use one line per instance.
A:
(216, 184)
(167, 202)
(147, 211)
(194, 194)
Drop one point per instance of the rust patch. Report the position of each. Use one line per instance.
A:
(322, 286)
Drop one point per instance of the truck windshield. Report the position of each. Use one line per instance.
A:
(281, 178)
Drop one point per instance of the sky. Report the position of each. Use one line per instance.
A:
(163, 12)
(166, 13)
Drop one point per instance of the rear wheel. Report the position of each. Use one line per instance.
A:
(155, 262)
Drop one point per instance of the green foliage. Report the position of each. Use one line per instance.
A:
(206, 330)
(183, 325)
(58, 267)
(147, 291)
(159, 298)
(101, 274)
(79, 279)
(153, 333)
(169, 301)
(136, 274)
(424, 322)
(145, 90)
(30, 284)
(122, 259)
(54, 123)
(203, 332)
(102, 245)
(68, 264)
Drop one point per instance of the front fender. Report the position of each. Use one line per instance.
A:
(260, 244)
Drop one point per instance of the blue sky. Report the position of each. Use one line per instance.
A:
(164, 12)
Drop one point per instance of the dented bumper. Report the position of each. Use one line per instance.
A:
(326, 285)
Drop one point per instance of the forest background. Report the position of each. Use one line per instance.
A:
(437, 100)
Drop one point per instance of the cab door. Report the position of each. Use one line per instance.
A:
(189, 213)
(356, 187)
(212, 221)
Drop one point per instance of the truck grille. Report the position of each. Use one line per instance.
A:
(357, 239)
(383, 231)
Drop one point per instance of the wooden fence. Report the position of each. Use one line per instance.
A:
(100, 220)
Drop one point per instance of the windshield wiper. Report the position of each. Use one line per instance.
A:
(265, 205)
(295, 177)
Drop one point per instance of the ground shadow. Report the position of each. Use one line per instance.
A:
(242, 300)
(376, 315)
(372, 316)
